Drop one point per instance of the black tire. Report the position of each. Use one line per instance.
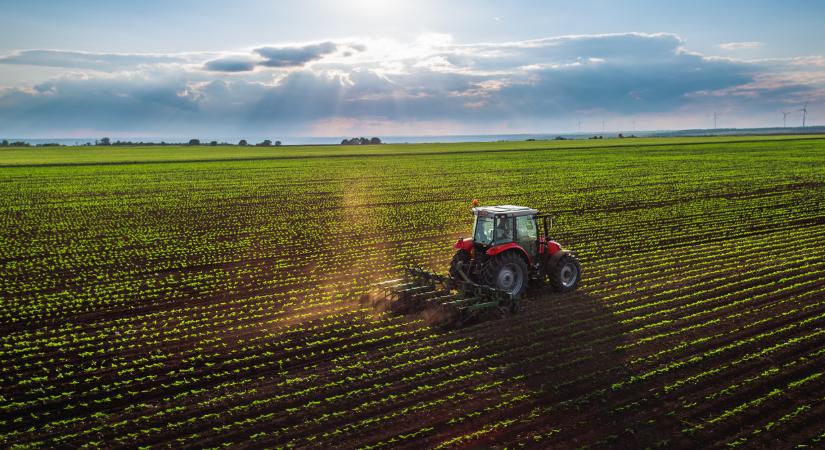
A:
(566, 273)
(461, 258)
(507, 271)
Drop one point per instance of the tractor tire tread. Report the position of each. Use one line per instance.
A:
(496, 263)
(555, 273)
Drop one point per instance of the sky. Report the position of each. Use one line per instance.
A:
(391, 67)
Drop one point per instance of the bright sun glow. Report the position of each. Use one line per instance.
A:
(374, 8)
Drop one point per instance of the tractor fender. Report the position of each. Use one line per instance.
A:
(509, 246)
(555, 257)
(552, 247)
(549, 247)
(465, 244)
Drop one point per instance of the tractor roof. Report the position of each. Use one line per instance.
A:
(504, 210)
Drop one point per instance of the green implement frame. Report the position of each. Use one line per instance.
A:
(451, 302)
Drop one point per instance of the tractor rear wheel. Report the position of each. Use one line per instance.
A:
(566, 273)
(508, 272)
(460, 263)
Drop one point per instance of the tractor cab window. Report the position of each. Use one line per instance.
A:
(489, 231)
(527, 234)
(483, 230)
(503, 230)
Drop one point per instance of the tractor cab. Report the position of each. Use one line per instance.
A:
(507, 224)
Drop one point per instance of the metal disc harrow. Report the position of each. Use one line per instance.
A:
(447, 301)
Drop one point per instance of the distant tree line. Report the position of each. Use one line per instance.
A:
(361, 141)
(6, 143)
(242, 143)
(105, 142)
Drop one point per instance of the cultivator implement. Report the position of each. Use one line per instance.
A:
(446, 300)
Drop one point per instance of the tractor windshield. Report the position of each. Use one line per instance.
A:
(483, 230)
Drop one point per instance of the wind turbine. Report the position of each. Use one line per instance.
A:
(785, 119)
(715, 119)
(804, 113)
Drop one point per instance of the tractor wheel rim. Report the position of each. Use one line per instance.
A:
(509, 279)
(568, 275)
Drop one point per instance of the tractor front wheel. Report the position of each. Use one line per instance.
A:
(507, 272)
(566, 273)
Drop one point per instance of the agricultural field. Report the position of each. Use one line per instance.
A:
(204, 297)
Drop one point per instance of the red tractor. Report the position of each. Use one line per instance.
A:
(490, 271)
(507, 251)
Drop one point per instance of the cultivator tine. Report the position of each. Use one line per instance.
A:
(389, 291)
(418, 302)
(404, 300)
(443, 299)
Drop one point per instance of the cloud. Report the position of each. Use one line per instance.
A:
(134, 103)
(749, 45)
(281, 57)
(294, 56)
(375, 83)
(85, 60)
(232, 64)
